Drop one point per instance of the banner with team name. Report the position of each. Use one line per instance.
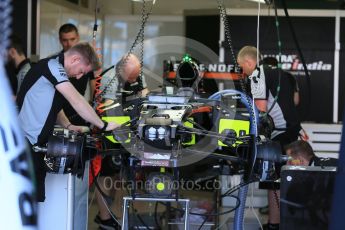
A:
(316, 36)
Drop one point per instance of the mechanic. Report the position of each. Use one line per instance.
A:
(302, 153)
(68, 37)
(17, 57)
(121, 83)
(273, 92)
(40, 101)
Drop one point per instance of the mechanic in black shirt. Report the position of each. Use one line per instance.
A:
(301, 153)
(17, 57)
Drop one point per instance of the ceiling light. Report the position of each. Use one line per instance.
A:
(142, 0)
(261, 1)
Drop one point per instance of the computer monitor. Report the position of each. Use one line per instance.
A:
(306, 197)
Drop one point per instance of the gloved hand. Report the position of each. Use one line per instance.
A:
(266, 124)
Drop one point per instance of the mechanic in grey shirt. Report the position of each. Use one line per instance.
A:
(123, 80)
(40, 101)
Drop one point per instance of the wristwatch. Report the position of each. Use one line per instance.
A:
(104, 126)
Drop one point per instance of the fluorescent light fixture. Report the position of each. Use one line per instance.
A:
(141, 1)
(261, 1)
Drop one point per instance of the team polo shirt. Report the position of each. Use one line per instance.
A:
(113, 86)
(38, 100)
(283, 112)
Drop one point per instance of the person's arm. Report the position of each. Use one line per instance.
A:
(144, 92)
(296, 98)
(65, 123)
(296, 95)
(81, 106)
(63, 120)
(294, 84)
(261, 104)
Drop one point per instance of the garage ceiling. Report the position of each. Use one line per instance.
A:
(177, 7)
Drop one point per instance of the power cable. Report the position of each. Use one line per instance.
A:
(139, 39)
(228, 38)
(6, 19)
